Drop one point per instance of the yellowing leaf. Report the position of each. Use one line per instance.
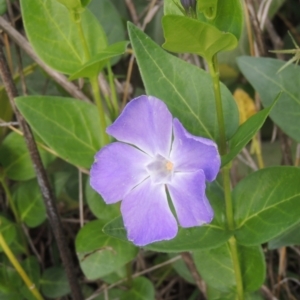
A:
(245, 103)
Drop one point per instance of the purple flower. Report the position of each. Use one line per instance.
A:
(155, 155)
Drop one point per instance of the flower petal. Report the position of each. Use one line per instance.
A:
(117, 169)
(146, 123)
(147, 216)
(187, 192)
(191, 153)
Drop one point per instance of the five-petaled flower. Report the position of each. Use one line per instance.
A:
(154, 156)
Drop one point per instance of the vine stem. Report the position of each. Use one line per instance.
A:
(78, 22)
(10, 200)
(43, 182)
(97, 97)
(113, 90)
(214, 73)
(93, 80)
(31, 286)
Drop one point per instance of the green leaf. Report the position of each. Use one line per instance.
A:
(32, 269)
(55, 37)
(290, 237)
(171, 7)
(266, 203)
(69, 126)
(186, 89)
(30, 203)
(98, 207)
(184, 34)
(110, 19)
(100, 254)
(229, 17)
(10, 282)
(246, 132)
(216, 267)
(141, 289)
(206, 236)
(3, 7)
(261, 73)
(54, 283)
(15, 158)
(8, 230)
(181, 268)
(214, 294)
(113, 294)
(94, 66)
(203, 237)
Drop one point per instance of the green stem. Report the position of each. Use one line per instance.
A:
(236, 266)
(82, 37)
(214, 72)
(93, 80)
(10, 201)
(227, 195)
(31, 286)
(97, 97)
(113, 90)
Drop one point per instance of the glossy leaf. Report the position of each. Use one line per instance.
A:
(15, 158)
(206, 236)
(30, 203)
(94, 66)
(246, 132)
(141, 289)
(98, 207)
(100, 254)
(216, 267)
(229, 17)
(267, 199)
(171, 7)
(191, 101)
(54, 283)
(203, 237)
(55, 37)
(261, 73)
(70, 127)
(184, 34)
(8, 230)
(110, 19)
(290, 237)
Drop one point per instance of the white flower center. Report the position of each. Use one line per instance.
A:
(160, 169)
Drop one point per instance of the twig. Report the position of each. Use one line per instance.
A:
(8, 124)
(275, 38)
(268, 293)
(256, 27)
(43, 181)
(285, 146)
(188, 259)
(71, 88)
(99, 291)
